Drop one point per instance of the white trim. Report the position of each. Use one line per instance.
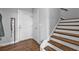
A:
(67, 37)
(54, 47)
(55, 26)
(1, 45)
(67, 44)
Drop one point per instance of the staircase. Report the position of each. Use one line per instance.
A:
(65, 36)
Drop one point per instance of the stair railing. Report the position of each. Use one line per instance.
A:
(56, 25)
(64, 9)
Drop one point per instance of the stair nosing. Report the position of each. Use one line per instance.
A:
(68, 25)
(70, 19)
(68, 34)
(69, 22)
(66, 40)
(68, 29)
(48, 48)
(59, 44)
(66, 44)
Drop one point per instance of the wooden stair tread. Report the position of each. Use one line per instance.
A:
(69, 22)
(61, 46)
(66, 40)
(69, 34)
(68, 25)
(68, 29)
(70, 19)
(48, 48)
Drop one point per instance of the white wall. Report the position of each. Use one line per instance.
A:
(23, 19)
(40, 24)
(29, 23)
(44, 23)
(71, 13)
(7, 13)
(36, 24)
(25, 23)
(53, 18)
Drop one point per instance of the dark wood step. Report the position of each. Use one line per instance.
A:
(61, 46)
(69, 18)
(48, 48)
(70, 22)
(69, 34)
(68, 29)
(68, 25)
(66, 40)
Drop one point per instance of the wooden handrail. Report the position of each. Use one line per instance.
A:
(64, 9)
(68, 18)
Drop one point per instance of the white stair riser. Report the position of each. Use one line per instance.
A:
(69, 20)
(66, 44)
(75, 32)
(68, 27)
(44, 44)
(54, 47)
(64, 25)
(68, 37)
(68, 24)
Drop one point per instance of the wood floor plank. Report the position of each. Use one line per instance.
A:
(48, 48)
(26, 45)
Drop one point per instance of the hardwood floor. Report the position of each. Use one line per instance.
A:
(26, 45)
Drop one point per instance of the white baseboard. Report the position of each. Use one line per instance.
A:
(1, 45)
(24, 39)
